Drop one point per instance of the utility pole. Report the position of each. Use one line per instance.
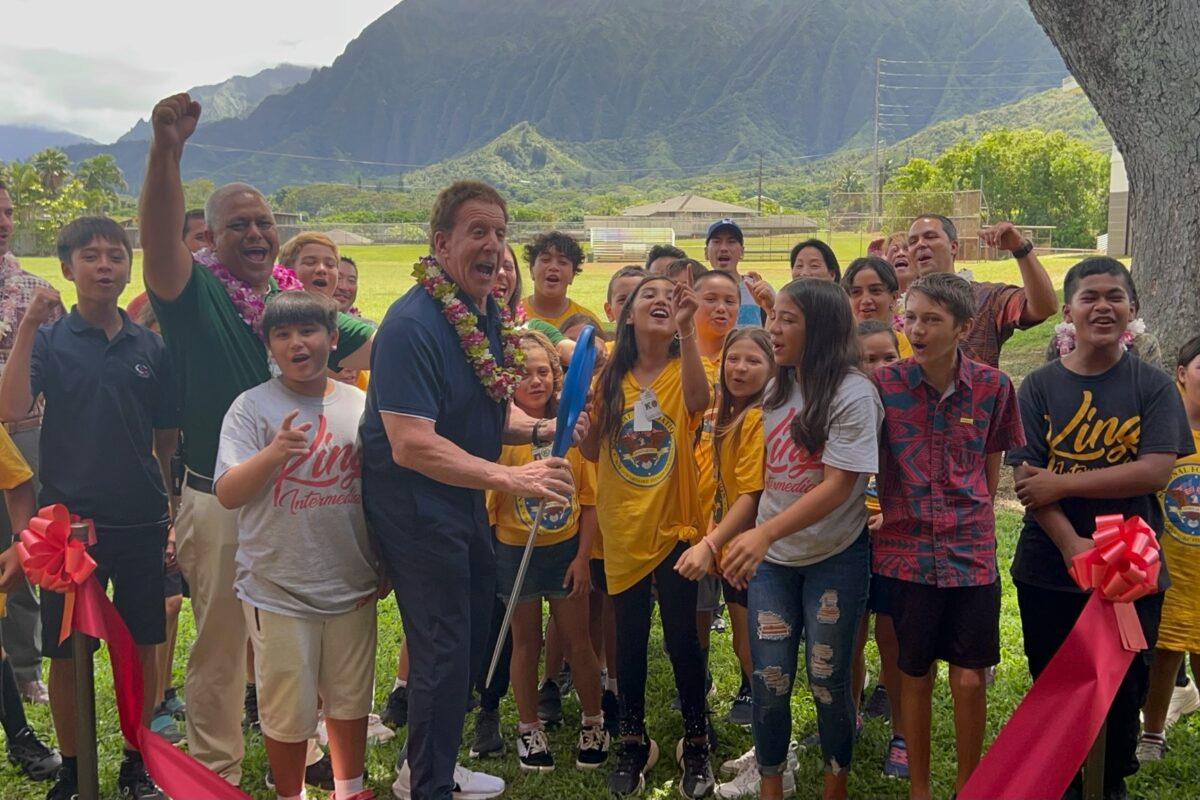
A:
(760, 184)
(876, 188)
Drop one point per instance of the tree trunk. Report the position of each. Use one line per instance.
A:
(1137, 61)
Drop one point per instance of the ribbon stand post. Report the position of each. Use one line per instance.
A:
(85, 698)
(1093, 767)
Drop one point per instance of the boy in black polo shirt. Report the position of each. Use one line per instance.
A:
(110, 409)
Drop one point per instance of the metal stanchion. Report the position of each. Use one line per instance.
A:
(1093, 767)
(85, 701)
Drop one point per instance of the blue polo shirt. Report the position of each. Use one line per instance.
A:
(104, 400)
(419, 369)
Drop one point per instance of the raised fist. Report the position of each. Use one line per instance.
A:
(174, 120)
(43, 307)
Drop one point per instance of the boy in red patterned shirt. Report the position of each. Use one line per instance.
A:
(947, 420)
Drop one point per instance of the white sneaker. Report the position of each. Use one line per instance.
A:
(1151, 748)
(1184, 700)
(468, 785)
(735, 766)
(377, 732)
(747, 783)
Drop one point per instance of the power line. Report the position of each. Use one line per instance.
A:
(1047, 60)
(968, 88)
(967, 74)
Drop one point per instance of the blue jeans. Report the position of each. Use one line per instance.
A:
(823, 603)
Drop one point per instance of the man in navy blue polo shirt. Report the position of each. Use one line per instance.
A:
(431, 436)
(108, 434)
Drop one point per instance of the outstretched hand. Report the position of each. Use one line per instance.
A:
(290, 442)
(174, 119)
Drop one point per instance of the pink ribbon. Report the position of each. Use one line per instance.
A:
(1043, 744)
(53, 560)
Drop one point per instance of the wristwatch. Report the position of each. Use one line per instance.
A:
(1023, 250)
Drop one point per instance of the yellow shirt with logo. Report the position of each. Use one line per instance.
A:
(1179, 629)
(13, 472)
(648, 482)
(741, 456)
(513, 516)
(707, 483)
(903, 345)
(572, 308)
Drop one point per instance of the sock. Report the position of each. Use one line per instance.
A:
(12, 712)
(528, 727)
(588, 722)
(347, 788)
(399, 684)
(1160, 735)
(611, 685)
(70, 770)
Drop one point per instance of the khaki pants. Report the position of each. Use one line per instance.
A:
(206, 542)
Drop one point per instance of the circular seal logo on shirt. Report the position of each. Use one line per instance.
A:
(555, 516)
(644, 458)
(142, 369)
(1181, 501)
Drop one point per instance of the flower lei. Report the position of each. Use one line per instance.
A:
(500, 381)
(1064, 335)
(249, 303)
(10, 298)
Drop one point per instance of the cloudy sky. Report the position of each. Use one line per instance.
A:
(95, 66)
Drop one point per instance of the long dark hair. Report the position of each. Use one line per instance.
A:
(622, 358)
(831, 353)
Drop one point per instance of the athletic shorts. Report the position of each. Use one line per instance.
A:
(298, 659)
(132, 559)
(878, 601)
(544, 577)
(708, 593)
(959, 625)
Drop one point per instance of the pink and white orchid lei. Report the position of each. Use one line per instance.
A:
(1064, 335)
(499, 380)
(249, 303)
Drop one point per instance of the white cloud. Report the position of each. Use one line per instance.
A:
(95, 67)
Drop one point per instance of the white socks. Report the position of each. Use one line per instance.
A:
(347, 788)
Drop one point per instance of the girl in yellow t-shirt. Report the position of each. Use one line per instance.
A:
(747, 364)
(558, 571)
(1179, 630)
(649, 399)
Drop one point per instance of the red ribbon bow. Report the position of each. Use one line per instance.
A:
(1123, 566)
(1042, 745)
(53, 560)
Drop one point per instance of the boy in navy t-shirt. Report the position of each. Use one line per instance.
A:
(1103, 429)
(108, 434)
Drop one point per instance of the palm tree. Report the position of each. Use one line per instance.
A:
(100, 173)
(53, 169)
(24, 188)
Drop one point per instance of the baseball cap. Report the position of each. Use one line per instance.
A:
(722, 224)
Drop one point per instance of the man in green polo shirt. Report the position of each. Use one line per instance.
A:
(210, 309)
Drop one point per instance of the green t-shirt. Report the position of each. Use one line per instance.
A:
(216, 356)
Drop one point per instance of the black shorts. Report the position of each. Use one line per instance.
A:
(173, 583)
(599, 579)
(733, 596)
(960, 625)
(878, 600)
(132, 558)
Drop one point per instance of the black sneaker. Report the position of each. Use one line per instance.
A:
(36, 760)
(634, 760)
(66, 784)
(395, 711)
(742, 711)
(593, 747)
(133, 781)
(611, 707)
(697, 778)
(318, 774)
(487, 741)
(533, 751)
(250, 721)
(879, 706)
(549, 709)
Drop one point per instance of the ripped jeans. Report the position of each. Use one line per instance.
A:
(824, 603)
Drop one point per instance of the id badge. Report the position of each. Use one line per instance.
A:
(645, 410)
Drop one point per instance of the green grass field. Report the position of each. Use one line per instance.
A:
(384, 274)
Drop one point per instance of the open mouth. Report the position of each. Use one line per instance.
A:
(660, 313)
(256, 255)
(320, 283)
(300, 358)
(900, 262)
(486, 270)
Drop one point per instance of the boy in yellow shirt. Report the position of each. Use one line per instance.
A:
(554, 260)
